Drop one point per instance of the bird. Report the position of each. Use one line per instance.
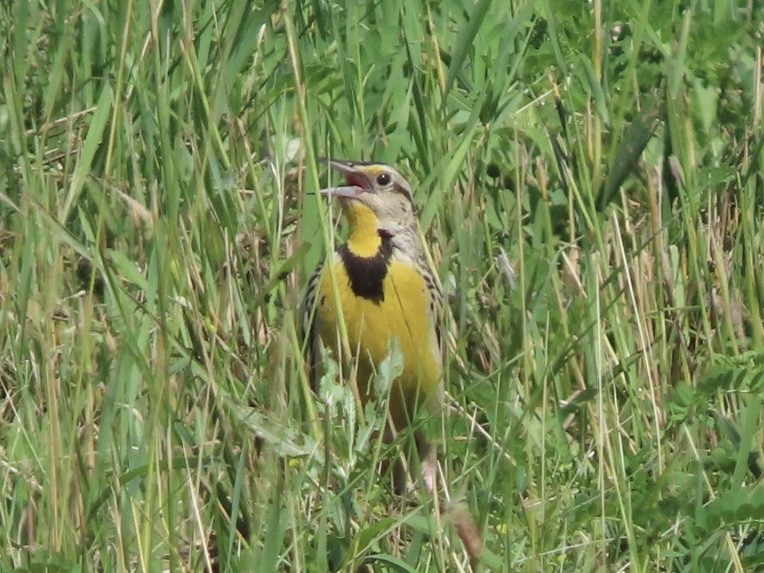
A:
(385, 290)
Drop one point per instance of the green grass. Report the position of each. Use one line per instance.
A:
(589, 177)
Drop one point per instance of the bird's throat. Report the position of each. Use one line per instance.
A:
(364, 239)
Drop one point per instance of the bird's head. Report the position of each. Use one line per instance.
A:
(376, 194)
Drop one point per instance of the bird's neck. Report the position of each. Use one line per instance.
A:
(364, 239)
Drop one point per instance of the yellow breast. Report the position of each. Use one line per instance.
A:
(404, 313)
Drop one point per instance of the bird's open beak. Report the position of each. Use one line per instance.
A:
(355, 178)
(347, 192)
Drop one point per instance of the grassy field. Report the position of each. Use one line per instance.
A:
(589, 178)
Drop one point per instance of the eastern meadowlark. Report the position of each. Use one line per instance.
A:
(385, 290)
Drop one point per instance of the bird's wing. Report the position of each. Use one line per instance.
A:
(436, 314)
(308, 326)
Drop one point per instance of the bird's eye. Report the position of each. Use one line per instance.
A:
(383, 179)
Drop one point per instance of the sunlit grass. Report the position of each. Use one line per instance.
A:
(588, 178)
